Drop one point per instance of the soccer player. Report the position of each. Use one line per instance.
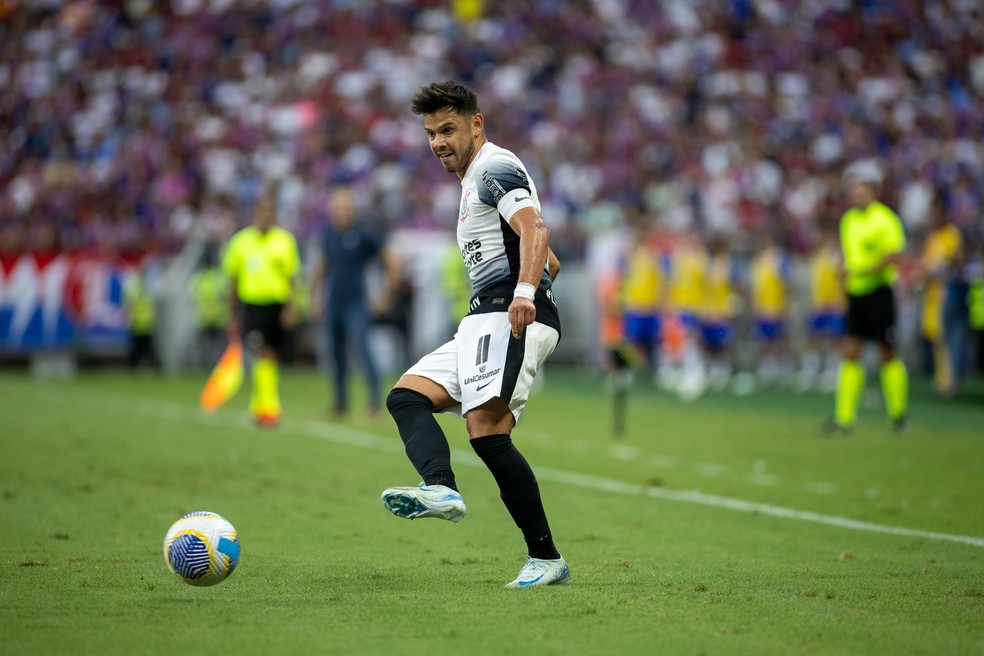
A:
(940, 262)
(485, 372)
(338, 289)
(825, 321)
(642, 298)
(719, 311)
(141, 315)
(208, 288)
(768, 282)
(687, 289)
(263, 263)
(621, 355)
(872, 241)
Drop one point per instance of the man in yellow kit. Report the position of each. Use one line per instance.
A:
(263, 262)
(872, 239)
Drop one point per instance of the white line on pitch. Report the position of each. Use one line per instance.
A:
(338, 434)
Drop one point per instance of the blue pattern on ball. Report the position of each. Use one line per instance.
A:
(230, 548)
(189, 556)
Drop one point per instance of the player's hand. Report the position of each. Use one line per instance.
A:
(232, 329)
(382, 306)
(288, 317)
(522, 312)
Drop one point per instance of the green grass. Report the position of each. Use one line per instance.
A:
(93, 471)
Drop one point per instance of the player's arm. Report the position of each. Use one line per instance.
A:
(317, 288)
(891, 259)
(392, 271)
(288, 316)
(230, 266)
(232, 326)
(553, 264)
(534, 238)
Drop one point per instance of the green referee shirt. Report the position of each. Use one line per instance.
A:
(262, 264)
(867, 237)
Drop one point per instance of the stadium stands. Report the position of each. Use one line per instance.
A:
(135, 123)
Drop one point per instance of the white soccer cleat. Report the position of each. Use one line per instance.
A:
(541, 572)
(424, 501)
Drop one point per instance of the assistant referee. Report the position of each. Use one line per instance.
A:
(263, 262)
(872, 240)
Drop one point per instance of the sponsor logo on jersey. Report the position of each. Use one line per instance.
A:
(480, 377)
(498, 191)
(471, 253)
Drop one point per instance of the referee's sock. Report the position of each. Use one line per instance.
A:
(519, 492)
(426, 446)
(850, 385)
(266, 394)
(895, 387)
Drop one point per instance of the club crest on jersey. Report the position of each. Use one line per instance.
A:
(464, 210)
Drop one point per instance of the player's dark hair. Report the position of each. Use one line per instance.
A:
(442, 95)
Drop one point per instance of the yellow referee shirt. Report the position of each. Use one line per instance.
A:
(867, 237)
(262, 264)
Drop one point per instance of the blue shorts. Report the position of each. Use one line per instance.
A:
(690, 321)
(643, 329)
(826, 324)
(716, 335)
(770, 330)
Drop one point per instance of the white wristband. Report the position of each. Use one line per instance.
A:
(526, 290)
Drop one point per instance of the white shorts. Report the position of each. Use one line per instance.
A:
(484, 361)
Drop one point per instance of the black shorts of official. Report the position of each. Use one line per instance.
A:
(872, 316)
(262, 326)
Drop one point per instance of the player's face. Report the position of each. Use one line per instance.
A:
(342, 208)
(861, 194)
(265, 215)
(452, 138)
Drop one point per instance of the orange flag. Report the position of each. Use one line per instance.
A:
(225, 380)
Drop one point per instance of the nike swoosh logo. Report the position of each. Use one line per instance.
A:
(519, 198)
(481, 387)
(526, 583)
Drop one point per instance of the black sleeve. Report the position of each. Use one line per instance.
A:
(499, 178)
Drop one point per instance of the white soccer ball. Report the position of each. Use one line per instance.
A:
(201, 548)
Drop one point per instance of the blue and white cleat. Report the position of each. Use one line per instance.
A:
(425, 501)
(541, 572)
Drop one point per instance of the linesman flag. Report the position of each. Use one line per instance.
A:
(225, 380)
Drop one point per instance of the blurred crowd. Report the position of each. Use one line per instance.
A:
(131, 124)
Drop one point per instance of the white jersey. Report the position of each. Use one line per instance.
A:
(495, 186)
(483, 361)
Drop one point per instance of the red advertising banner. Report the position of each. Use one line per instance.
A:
(62, 300)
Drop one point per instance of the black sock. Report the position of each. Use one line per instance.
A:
(519, 491)
(427, 447)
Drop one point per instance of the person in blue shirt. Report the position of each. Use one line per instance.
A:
(339, 294)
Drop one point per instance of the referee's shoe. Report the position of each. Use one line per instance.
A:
(425, 501)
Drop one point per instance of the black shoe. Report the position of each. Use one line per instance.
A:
(900, 426)
(833, 429)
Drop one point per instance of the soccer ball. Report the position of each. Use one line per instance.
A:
(201, 548)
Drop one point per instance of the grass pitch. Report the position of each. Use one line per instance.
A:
(793, 544)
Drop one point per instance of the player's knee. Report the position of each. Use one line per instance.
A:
(401, 400)
(491, 418)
